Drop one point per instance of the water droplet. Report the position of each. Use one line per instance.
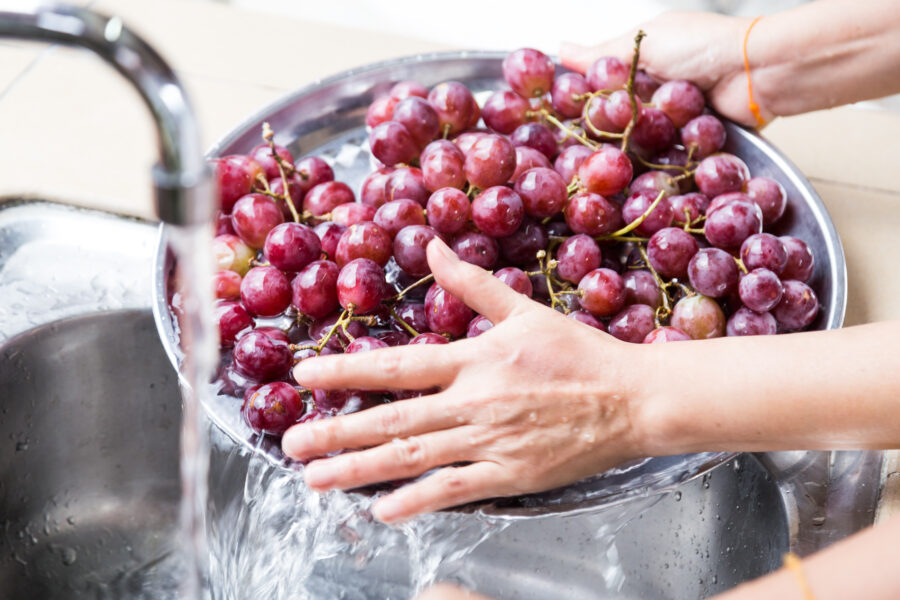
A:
(677, 496)
(532, 416)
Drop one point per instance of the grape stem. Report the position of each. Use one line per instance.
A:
(637, 222)
(741, 265)
(659, 167)
(428, 278)
(568, 130)
(662, 312)
(586, 119)
(547, 267)
(629, 88)
(403, 323)
(342, 319)
(269, 137)
(346, 321)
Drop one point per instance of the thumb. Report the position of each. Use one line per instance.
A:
(579, 58)
(477, 288)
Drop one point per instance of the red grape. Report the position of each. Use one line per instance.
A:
(428, 338)
(455, 106)
(618, 110)
(392, 144)
(372, 190)
(443, 165)
(699, 317)
(760, 290)
(607, 73)
(497, 211)
(730, 225)
(800, 260)
(713, 272)
(592, 214)
(352, 213)
(747, 322)
(313, 171)
(260, 357)
(227, 285)
(654, 182)
(491, 161)
(394, 216)
(406, 183)
(365, 344)
(705, 134)
(659, 217)
(232, 254)
(412, 313)
(262, 154)
(569, 160)
(265, 291)
(476, 248)
(654, 131)
(670, 250)
(232, 319)
(602, 292)
(315, 289)
(516, 279)
(448, 210)
(721, 173)
(394, 338)
(381, 110)
(582, 316)
(666, 334)
(543, 192)
(769, 195)
(273, 408)
(563, 95)
(409, 249)
(253, 218)
(329, 234)
(764, 250)
(798, 307)
(405, 89)
(324, 197)
(633, 323)
(528, 72)
(537, 136)
(319, 328)
(477, 326)
(526, 159)
(361, 285)
(363, 240)
(503, 111)
(577, 256)
(645, 86)
(688, 207)
(606, 172)
(641, 288)
(445, 313)
(295, 190)
(419, 118)
(235, 177)
(522, 246)
(680, 100)
(292, 246)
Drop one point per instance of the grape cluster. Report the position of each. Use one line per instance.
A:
(604, 196)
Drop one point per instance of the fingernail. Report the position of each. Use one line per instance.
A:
(320, 475)
(296, 441)
(387, 509)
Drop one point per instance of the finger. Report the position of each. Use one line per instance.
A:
(451, 486)
(481, 291)
(397, 459)
(445, 591)
(579, 58)
(370, 427)
(402, 368)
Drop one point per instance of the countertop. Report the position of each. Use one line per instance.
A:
(73, 130)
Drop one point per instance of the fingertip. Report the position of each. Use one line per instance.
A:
(305, 371)
(389, 509)
(293, 441)
(570, 54)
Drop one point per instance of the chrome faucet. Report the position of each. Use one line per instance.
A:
(183, 187)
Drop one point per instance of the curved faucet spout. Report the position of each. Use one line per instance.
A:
(184, 194)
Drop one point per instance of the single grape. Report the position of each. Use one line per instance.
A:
(705, 134)
(365, 344)
(443, 165)
(769, 195)
(292, 246)
(445, 313)
(477, 326)
(666, 334)
(798, 307)
(315, 289)
(262, 154)
(633, 323)
(254, 216)
(319, 328)
(559, 228)
(730, 225)
(419, 118)
(670, 250)
(232, 319)
(223, 224)
(312, 171)
(764, 250)
(577, 256)
(800, 260)
(361, 284)
(747, 322)
(394, 338)
(606, 172)
(522, 246)
(429, 338)
(381, 110)
(645, 86)
(713, 272)
(343, 402)
(394, 216)
(699, 317)
(597, 121)
(265, 291)
(503, 111)
(372, 190)
(592, 214)
(618, 110)
(323, 198)
(727, 198)
(448, 210)
(582, 316)
(497, 211)
(329, 234)
(476, 248)
(721, 173)
(526, 159)
(235, 175)
(567, 96)
(641, 288)
(688, 208)
(405, 89)
(407, 183)
(363, 240)
(607, 73)
(602, 292)
(352, 213)
(681, 101)
(466, 140)
(537, 136)
(273, 408)
(392, 143)
(569, 160)
(543, 192)
(528, 72)
(409, 249)
(490, 162)
(654, 182)
(654, 131)
(760, 290)
(659, 218)
(516, 279)
(232, 254)
(412, 313)
(455, 106)
(227, 285)
(261, 357)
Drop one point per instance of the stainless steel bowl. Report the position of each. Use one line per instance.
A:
(326, 118)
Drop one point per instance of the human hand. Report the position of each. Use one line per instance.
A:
(444, 591)
(536, 402)
(704, 48)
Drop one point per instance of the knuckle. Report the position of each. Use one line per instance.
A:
(410, 452)
(453, 483)
(390, 421)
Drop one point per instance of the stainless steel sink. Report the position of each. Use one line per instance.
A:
(89, 413)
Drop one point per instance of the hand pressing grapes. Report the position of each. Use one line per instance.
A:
(536, 402)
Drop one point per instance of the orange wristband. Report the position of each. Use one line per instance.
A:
(793, 564)
(754, 107)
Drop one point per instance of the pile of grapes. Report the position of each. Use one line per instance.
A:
(604, 196)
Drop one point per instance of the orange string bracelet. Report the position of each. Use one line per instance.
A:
(754, 107)
(793, 564)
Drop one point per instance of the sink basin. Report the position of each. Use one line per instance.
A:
(89, 422)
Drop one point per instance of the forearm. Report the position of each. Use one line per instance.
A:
(816, 390)
(864, 566)
(824, 54)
